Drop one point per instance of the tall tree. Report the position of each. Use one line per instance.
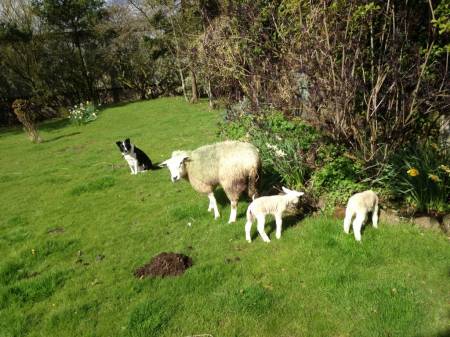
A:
(74, 19)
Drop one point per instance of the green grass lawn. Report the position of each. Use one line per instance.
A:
(75, 224)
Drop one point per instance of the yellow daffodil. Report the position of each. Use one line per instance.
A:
(413, 172)
(434, 178)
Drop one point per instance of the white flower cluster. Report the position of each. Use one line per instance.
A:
(83, 113)
(278, 152)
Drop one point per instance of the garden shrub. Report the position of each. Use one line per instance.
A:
(420, 174)
(338, 178)
(284, 145)
(26, 113)
(83, 113)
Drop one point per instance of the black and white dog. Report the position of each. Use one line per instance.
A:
(135, 157)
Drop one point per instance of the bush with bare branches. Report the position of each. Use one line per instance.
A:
(25, 111)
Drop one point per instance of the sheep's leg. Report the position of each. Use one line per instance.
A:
(357, 224)
(278, 221)
(248, 228)
(375, 216)
(233, 211)
(348, 220)
(210, 206)
(213, 204)
(261, 222)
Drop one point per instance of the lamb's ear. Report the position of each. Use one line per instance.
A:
(286, 190)
(163, 164)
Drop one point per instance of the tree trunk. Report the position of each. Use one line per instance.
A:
(194, 97)
(84, 66)
(210, 96)
(183, 84)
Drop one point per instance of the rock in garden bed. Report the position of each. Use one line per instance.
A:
(164, 264)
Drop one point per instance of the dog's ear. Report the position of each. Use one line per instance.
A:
(127, 141)
(119, 144)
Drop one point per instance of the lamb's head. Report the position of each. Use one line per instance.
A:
(176, 165)
(291, 195)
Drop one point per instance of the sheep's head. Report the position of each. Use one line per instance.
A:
(176, 165)
(292, 195)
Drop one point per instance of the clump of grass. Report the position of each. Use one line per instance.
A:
(94, 186)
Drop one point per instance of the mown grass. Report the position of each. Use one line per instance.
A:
(75, 224)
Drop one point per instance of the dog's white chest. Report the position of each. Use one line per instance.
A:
(131, 160)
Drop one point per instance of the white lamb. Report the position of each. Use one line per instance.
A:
(275, 205)
(359, 205)
(233, 165)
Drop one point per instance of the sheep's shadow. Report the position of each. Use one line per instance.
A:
(288, 221)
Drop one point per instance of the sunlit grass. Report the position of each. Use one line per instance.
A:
(75, 224)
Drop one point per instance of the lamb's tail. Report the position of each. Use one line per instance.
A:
(253, 181)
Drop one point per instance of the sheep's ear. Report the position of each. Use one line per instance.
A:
(185, 158)
(286, 190)
(300, 193)
(163, 164)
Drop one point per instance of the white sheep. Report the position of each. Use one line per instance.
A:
(275, 205)
(359, 205)
(233, 165)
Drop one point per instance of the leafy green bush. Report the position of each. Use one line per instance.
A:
(283, 144)
(420, 174)
(339, 177)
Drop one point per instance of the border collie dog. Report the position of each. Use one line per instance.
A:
(135, 157)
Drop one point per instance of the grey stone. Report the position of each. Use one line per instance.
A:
(446, 223)
(389, 217)
(339, 213)
(427, 222)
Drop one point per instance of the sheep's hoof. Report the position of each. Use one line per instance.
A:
(249, 240)
(231, 221)
(278, 237)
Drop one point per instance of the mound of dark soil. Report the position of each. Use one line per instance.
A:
(164, 264)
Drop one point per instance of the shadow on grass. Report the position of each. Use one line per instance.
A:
(12, 130)
(62, 136)
(445, 333)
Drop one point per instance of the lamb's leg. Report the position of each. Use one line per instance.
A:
(213, 204)
(261, 222)
(233, 211)
(375, 216)
(357, 224)
(278, 221)
(348, 219)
